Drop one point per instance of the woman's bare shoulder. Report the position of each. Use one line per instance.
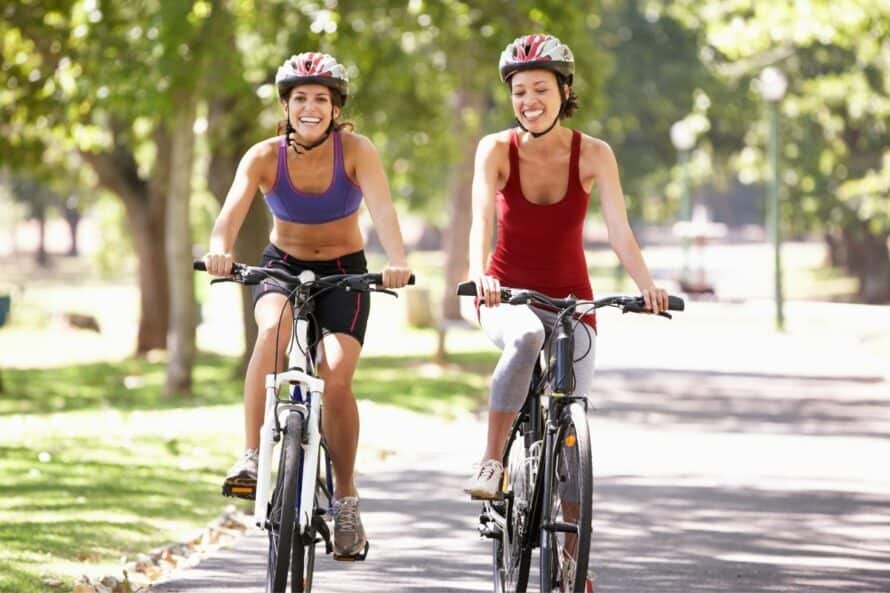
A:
(496, 143)
(355, 142)
(264, 150)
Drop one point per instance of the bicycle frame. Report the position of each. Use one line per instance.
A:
(300, 375)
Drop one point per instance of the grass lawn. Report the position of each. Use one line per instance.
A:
(96, 465)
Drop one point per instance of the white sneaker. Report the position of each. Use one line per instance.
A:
(241, 479)
(349, 533)
(485, 483)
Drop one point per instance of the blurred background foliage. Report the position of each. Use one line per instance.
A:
(90, 93)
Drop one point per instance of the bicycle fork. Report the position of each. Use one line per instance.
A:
(310, 445)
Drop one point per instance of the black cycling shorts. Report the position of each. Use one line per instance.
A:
(336, 311)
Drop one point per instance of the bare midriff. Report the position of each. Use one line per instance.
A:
(324, 241)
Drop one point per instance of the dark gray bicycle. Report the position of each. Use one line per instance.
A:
(550, 509)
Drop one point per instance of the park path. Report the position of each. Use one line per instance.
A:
(742, 483)
(727, 458)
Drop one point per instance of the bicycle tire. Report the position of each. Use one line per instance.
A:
(511, 552)
(570, 505)
(303, 552)
(282, 510)
(303, 562)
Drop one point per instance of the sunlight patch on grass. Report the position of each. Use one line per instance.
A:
(76, 494)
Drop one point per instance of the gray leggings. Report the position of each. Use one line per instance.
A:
(520, 332)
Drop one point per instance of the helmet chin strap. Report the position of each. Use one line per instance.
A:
(539, 134)
(299, 147)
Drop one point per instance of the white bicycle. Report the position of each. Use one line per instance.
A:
(293, 512)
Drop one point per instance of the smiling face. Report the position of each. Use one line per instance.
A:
(311, 108)
(536, 99)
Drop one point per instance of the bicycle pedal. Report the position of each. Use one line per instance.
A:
(497, 498)
(240, 488)
(354, 557)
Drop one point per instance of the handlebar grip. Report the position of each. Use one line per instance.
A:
(467, 288)
(199, 265)
(378, 279)
(676, 303)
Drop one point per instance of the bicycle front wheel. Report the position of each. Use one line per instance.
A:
(281, 526)
(567, 511)
(303, 555)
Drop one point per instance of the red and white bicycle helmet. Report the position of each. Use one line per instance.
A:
(531, 52)
(312, 67)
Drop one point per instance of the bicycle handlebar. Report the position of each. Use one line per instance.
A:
(245, 274)
(628, 304)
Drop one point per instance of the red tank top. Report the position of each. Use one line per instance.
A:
(540, 246)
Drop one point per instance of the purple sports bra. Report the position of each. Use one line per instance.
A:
(341, 199)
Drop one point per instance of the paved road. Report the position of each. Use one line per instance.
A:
(704, 482)
(731, 460)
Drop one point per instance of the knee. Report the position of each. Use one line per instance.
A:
(529, 341)
(337, 389)
(268, 333)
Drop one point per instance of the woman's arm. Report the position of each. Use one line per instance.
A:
(237, 203)
(621, 237)
(371, 178)
(484, 189)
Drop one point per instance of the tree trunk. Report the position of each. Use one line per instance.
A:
(231, 136)
(72, 217)
(144, 205)
(178, 244)
(868, 257)
(41, 256)
(460, 202)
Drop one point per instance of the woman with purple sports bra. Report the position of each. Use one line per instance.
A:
(313, 177)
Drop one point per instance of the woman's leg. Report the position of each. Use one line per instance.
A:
(241, 478)
(340, 421)
(267, 312)
(519, 334)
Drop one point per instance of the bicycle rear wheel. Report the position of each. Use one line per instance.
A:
(567, 511)
(511, 552)
(281, 526)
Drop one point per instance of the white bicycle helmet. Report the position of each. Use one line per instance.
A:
(312, 67)
(531, 52)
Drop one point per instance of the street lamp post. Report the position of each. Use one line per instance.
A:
(773, 85)
(683, 139)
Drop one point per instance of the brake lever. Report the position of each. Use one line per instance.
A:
(387, 291)
(228, 279)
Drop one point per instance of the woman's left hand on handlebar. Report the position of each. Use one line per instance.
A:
(656, 299)
(396, 276)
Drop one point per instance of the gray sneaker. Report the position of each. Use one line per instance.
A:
(350, 542)
(241, 478)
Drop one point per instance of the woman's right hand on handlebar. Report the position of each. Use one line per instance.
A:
(489, 289)
(219, 264)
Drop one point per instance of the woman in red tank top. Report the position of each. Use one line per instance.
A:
(535, 181)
